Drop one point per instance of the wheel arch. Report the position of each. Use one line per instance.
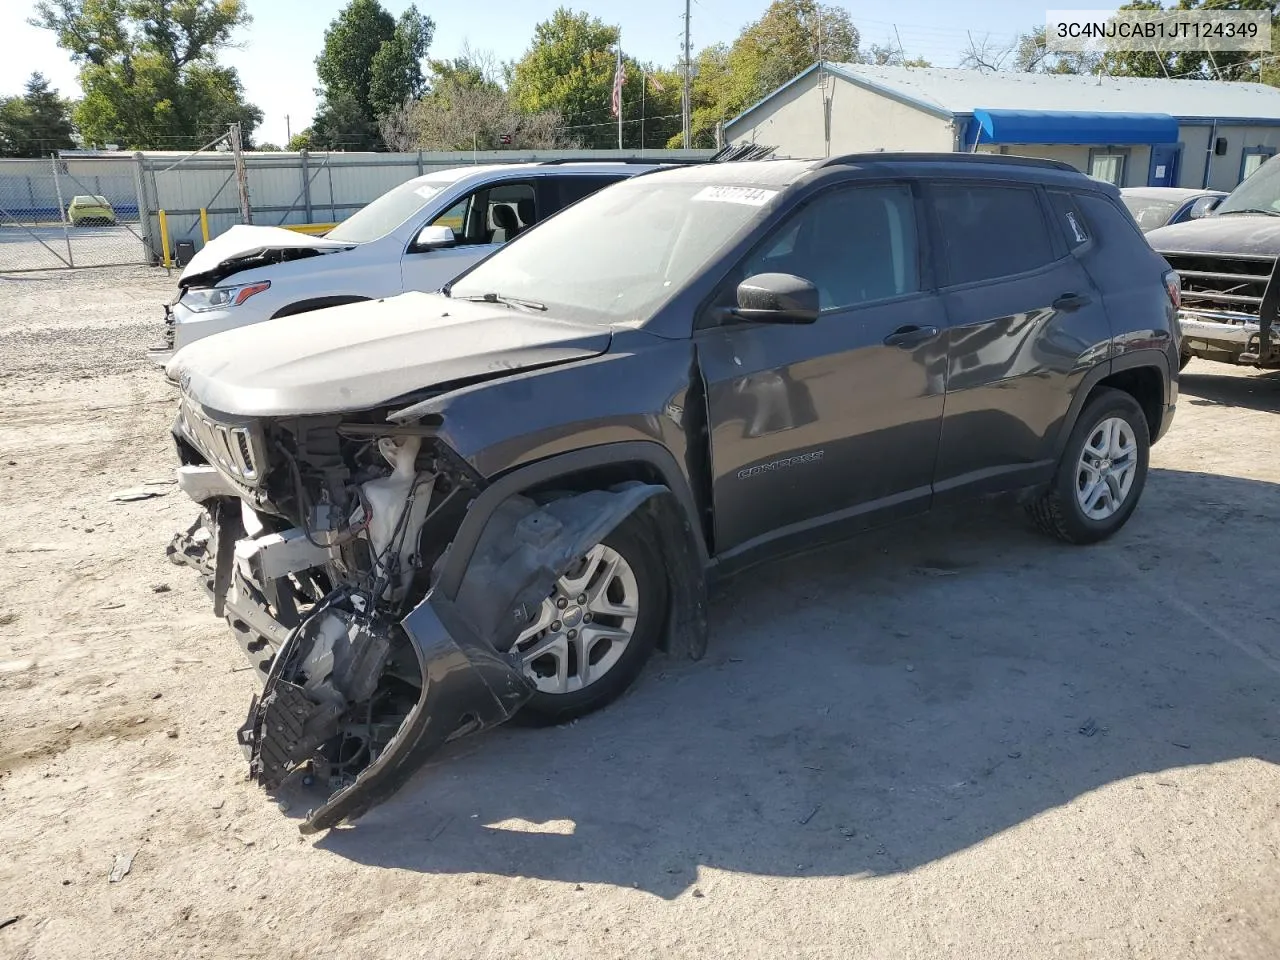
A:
(1143, 374)
(673, 515)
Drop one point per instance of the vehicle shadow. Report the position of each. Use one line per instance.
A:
(1258, 391)
(882, 704)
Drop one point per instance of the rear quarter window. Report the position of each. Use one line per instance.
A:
(1070, 221)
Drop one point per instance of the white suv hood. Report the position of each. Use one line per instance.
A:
(244, 242)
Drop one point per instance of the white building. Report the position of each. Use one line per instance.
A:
(1130, 131)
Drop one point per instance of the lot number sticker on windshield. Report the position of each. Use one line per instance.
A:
(751, 196)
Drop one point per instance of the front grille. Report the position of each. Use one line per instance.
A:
(233, 449)
(1226, 285)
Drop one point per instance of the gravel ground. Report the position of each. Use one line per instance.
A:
(953, 738)
(45, 247)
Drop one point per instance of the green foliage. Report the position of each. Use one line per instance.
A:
(768, 53)
(343, 123)
(1192, 64)
(569, 70)
(149, 69)
(304, 140)
(36, 123)
(371, 64)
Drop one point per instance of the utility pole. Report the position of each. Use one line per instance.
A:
(685, 102)
(242, 175)
(288, 132)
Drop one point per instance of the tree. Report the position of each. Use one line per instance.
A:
(370, 65)
(268, 148)
(397, 66)
(1191, 64)
(790, 37)
(887, 55)
(149, 69)
(303, 140)
(467, 108)
(35, 124)
(342, 123)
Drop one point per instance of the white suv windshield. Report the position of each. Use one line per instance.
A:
(383, 215)
(618, 255)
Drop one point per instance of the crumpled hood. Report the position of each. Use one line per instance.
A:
(358, 356)
(246, 242)
(1240, 233)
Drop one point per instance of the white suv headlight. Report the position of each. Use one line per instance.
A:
(202, 299)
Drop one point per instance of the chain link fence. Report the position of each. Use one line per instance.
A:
(71, 212)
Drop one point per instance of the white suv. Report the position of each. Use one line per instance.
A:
(418, 236)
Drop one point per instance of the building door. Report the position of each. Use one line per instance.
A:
(1164, 165)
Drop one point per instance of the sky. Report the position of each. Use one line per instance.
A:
(276, 53)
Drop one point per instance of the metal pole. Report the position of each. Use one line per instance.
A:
(615, 80)
(62, 210)
(144, 208)
(288, 132)
(204, 224)
(644, 82)
(242, 175)
(306, 183)
(685, 101)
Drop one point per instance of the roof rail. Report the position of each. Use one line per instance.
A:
(734, 152)
(562, 160)
(989, 158)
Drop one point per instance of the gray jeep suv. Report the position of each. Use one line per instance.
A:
(422, 515)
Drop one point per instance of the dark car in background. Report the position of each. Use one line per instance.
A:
(1227, 264)
(1154, 207)
(424, 515)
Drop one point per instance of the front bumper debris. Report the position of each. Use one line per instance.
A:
(450, 644)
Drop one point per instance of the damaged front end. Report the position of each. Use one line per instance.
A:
(377, 603)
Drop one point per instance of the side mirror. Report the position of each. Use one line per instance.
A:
(1203, 207)
(777, 298)
(435, 238)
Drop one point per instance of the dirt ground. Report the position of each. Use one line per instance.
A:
(952, 739)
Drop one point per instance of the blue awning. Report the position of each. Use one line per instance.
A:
(1053, 126)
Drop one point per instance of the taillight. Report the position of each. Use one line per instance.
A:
(1173, 287)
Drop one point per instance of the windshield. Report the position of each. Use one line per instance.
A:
(1260, 192)
(1150, 213)
(383, 215)
(618, 255)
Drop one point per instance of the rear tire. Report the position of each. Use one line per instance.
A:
(1102, 472)
(641, 571)
(1183, 360)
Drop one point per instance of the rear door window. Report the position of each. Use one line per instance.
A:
(989, 230)
(572, 189)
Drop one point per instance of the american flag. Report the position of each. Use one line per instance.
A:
(618, 76)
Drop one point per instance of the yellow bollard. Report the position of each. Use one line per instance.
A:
(204, 224)
(164, 240)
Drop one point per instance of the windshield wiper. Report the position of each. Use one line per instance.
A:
(508, 301)
(1269, 213)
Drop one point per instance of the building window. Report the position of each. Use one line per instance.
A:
(1108, 164)
(1253, 158)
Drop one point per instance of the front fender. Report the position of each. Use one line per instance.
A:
(460, 636)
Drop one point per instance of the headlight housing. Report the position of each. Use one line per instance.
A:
(204, 299)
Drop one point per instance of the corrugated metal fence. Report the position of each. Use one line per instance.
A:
(36, 231)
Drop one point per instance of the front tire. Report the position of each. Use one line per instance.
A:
(597, 629)
(1102, 472)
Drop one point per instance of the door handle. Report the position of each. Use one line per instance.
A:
(1071, 301)
(910, 336)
